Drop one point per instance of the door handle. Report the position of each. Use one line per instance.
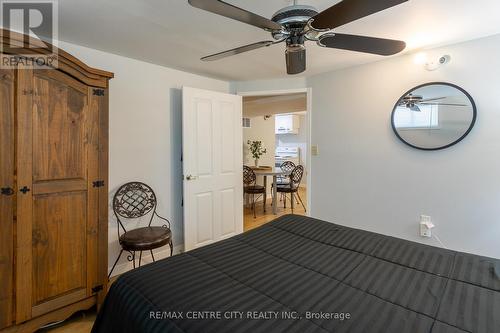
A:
(7, 191)
(191, 177)
(25, 190)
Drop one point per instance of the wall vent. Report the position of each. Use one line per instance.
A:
(247, 123)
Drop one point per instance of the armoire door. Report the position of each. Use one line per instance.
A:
(57, 202)
(7, 99)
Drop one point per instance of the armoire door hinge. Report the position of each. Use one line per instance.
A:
(97, 288)
(98, 183)
(98, 92)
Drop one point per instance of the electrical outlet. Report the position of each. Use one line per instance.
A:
(314, 150)
(426, 226)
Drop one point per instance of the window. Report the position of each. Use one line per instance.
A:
(427, 118)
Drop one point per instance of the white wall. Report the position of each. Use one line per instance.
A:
(145, 132)
(365, 177)
(261, 130)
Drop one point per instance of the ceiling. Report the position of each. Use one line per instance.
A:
(174, 34)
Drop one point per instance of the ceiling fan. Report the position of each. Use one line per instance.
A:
(412, 102)
(297, 24)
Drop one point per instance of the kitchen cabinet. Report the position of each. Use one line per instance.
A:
(287, 124)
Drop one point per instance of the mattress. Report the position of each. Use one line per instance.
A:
(298, 274)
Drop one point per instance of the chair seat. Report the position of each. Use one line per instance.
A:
(254, 189)
(146, 238)
(286, 189)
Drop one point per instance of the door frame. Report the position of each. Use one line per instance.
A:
(308, 92)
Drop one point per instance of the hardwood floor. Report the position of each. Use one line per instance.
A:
(80, 322)
(249, 222)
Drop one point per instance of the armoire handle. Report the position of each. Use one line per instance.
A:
(7, 191)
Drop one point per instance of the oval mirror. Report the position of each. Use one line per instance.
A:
(434, 116)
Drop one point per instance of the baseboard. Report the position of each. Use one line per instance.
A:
(146, 259)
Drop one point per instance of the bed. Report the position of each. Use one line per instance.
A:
(298, 274)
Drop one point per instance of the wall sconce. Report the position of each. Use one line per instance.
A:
(266, 117)
(431, 65)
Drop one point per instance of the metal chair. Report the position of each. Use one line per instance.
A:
(286, 166)
(250, 186)
(292, 187)
(135, 200)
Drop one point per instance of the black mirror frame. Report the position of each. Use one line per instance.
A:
(473, 122)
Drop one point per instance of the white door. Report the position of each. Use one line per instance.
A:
(212, 166)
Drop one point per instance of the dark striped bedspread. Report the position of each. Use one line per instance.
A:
(298, 274)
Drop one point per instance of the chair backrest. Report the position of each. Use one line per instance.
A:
(249, 177)
(296, 176)
(287, 166)
(134, 200)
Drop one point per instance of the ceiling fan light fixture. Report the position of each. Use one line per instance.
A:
(295, 59)
(295, 48)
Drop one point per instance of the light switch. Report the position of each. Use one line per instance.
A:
(314, 150)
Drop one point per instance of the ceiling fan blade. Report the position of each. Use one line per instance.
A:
(432, 99)
(350, 10)
(221, 8)
(445, 104)
(237, 50)
(372, 45)
(295, 61)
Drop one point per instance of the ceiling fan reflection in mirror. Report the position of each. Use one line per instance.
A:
(296, 24)
(413, 102)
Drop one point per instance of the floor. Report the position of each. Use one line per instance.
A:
(249, 222)
(82, 322)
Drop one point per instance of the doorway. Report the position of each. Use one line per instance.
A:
(281, 121)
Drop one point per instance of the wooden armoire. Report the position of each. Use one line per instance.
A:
(53, 180)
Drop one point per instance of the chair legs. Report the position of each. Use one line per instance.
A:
(132, 258)
(114, 265)
(298, 196)
(264, 201)
(294, 198)
(253, 206)
(253, 203)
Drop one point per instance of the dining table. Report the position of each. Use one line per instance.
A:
(274, 172)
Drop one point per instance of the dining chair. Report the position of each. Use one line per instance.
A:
(286, 166)
(292, 187)
(250, 187)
